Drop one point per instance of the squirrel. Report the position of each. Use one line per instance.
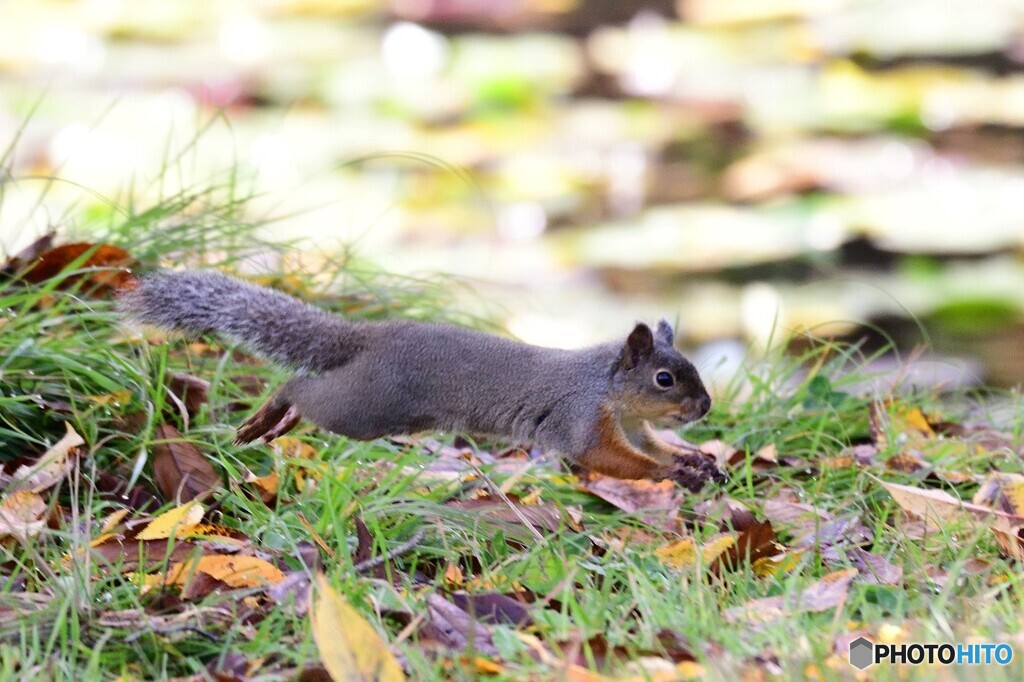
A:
(367, 380)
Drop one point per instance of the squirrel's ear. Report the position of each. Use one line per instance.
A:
(639, 345)
(664, 332)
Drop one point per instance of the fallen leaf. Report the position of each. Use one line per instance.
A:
(937, 507)
(141, 556)
(107, 530)
(1003, 492)
(783, 513)
(108, 266)
(873, 568)
(541, 517)
(493, 608)
(266, 486)
(231, 569)
(301, 456)
(192, 391)
(683, 555)
(180, 470)
(177, 522)
(22, 514)
(633, 496)
(723, 453)
(51, 468)
(455, 629)
(116, 489)
(827, 593)
(350, 648)
(1010, 540)
(756, 540)
(778, 564)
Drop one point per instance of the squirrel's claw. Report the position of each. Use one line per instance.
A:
(269, 422)
(692, 471)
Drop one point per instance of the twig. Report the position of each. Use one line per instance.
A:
(394, 552)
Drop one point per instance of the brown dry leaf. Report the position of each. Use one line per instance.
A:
(765, 458)
(844, 529)
(633, 496)
(41, 245)
(723, 453)
(454, 629)
(192, 391)
(179, 468)
(51, 468)
(22, 514)
(937, 507)
(1003, 492)
(350, 648)
(683, 555)
(756, 540)
(783, 513)
(494, 608)
(827, 593)
(51, 262)
(541, 517)
(177, 522)
(116, 489)
(144, 556)
(873, 568)
(1010, 539)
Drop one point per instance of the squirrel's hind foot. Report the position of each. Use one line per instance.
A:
(692, 471)
(269, 422)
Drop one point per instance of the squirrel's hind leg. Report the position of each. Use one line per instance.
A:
(276, 418)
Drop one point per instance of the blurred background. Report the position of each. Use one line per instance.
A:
(758, 171)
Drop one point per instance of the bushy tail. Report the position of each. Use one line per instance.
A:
(282, 328)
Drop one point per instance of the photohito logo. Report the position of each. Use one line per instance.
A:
(864, 653)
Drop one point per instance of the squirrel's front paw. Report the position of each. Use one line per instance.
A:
(692, 471)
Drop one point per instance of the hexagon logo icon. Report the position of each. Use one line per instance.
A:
(862, 653)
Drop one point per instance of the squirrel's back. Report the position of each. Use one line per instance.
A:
(278, 326)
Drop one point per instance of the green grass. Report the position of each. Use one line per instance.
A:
(58, 619)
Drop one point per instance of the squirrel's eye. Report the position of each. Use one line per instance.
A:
(664, 379)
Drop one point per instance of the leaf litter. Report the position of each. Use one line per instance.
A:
(197, 576)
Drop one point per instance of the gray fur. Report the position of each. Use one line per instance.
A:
(282, 328)
(372, 379)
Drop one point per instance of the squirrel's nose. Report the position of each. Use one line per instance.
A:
(704, 404)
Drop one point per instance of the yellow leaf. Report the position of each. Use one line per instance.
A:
(109, 524)
(21, 514)
(111, 521)
(289, 447)
(239, 570)
(122, 397)
(235, 570)
(683, 554)
(690, 670)
(177, 522)
(778, 564)
(485, 666)
(350, 648)
(266, 486)
(915, 419)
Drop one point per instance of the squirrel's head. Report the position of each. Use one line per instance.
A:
(655, 381)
